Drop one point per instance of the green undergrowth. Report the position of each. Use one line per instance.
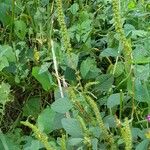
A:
(74, 74)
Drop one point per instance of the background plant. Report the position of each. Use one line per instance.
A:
(63, 68)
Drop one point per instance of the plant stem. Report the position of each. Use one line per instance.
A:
(12, 19)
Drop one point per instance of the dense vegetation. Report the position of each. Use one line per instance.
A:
(74, 74)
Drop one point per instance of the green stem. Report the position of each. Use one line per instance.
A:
(12, 19)
(121, 104)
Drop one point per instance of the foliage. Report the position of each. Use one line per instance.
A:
(74, 74)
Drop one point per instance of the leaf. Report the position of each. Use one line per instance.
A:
(75, 141)
(3, 63)
(95, 131)
(57, 121)
(72, 127)
(136, 133)
(110, 121)
(140, 33)
(141, 94)
(4, 96)
(44, 78)
(62, 105)
(113, 100)
(44, 2)
(131, 5)
(70, 74)
(143, 145)
(6, 51)
(140, 54)
(45, 120)
(105, 82)
(85, 26)
(94, 142)
(119, 69)
(142, 60)
(142, 72)
(7, 143)
(35, 144)
(32, 107)
(74, 8)
(71, 60)
(128, 29)
(20, 29)
(5, 16)
(44, 67)
(86, 66)
(109, 52)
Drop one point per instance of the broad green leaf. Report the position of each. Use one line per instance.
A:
(75, 141)
(32, 107)
(94, 142)
(141, 94)
(105, 82)
(3, 63)
(131, 4)
(71, 60)
(74, 8)
(113, 100)
(70, 74)
(57, 93)
(142, 72)
(93, 73)
(143, 145)
(44, 78)
(4, 96)
(7, 143)
(35, 144)
(5, 16)
(7, 51)
(78, 37)
(44, 2)
(20, 29)
(85, 26)
(57, 121)
(45, 120)
(140, 33)
(136, 133)
(72, 127)
(140, 54)
(61, 105)
(110, 52)
(142, 60)
(110, 121)
(119, 69)
(44, 67)
(85, 15)
(87, 66)
(95, 131)
(128, 28)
